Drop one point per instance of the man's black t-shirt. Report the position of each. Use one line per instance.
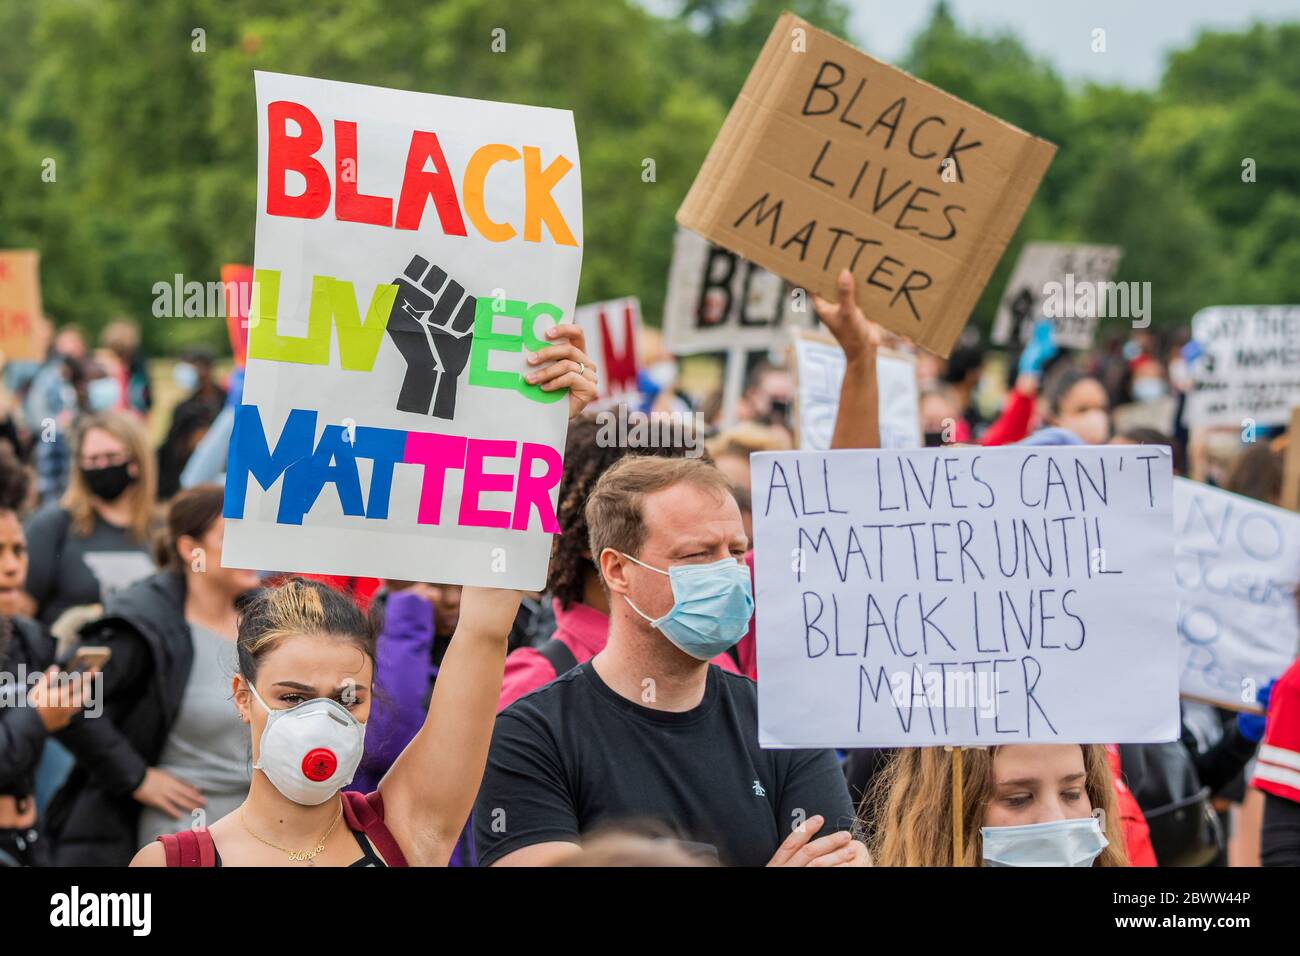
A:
(574, 755)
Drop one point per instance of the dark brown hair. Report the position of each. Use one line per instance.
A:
(15, 480)
(192, 513)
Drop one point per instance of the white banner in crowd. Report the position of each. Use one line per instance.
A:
(718, 301)
(411, 249)
(1237, 567)
(1069, 281)
(612, 330)
(819, 373)
(1249, 367)
(965, 596)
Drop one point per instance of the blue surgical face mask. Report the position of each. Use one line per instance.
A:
(102, 394)
(712, 605)
(1148, 389)
(1060, 843)
(186, 376)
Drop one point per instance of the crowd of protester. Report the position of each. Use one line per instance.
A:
(476, 726)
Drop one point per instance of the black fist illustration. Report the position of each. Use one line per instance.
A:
(432, 325)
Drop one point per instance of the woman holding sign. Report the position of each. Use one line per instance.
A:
(1021, 805)
(306, 658)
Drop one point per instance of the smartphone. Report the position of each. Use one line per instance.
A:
(87, 657)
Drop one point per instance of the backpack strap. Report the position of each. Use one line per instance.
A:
(189, 848)
(365, 812)
(558, 655)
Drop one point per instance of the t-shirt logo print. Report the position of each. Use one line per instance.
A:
(758, 789)
(432, 325)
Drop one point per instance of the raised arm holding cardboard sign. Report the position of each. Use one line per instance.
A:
(830, 159)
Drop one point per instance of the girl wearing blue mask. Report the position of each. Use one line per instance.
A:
(1024, 805)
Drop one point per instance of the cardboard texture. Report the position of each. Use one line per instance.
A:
(20, 305)
(831, 159)
(1290, 498)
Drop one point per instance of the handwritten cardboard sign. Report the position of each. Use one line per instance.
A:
(830, 159)
(1237, 567)
(1068, 282)
(819, 374)
(718, 301)
(965, 596)
(1249, 366)
(410, 250)
(20, 305)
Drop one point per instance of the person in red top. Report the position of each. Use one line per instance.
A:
(1137, 835)
(1277, 773)
(580, 603)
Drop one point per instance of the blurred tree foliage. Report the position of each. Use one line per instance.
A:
(154, 143)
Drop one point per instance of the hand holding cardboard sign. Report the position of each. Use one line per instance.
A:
(432, 325)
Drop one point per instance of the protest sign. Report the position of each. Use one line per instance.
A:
(819, 373)
(1237, 565)
(1068, 283)
(237, 282)
(830, 159)
(1290, 496)
(965, 596)
(1248, 370)
(613, 329)
(718, 301)
(20, 306)
(410, 250)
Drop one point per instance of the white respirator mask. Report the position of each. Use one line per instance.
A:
(309, 751)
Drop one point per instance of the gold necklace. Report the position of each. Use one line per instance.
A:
(297, 856)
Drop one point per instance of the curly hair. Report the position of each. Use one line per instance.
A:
(585, 460)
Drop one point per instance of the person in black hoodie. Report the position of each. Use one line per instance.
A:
(160, 696)
(28, 715)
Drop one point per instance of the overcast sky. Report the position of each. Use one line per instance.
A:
(1138, 32)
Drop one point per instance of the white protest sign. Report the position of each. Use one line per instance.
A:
(410, 250)
(1249, 369)
(718, 301)
(1069, 283)
(819, 373)
(612, 330)
(1237, 565)
(965, 596)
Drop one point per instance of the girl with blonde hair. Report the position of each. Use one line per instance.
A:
(1022, 805)
(96, 540)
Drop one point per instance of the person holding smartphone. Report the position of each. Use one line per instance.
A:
(28, 714)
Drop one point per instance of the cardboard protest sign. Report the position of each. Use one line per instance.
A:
(965, 596)
(1237, 565)
(819, 373)
(830, 159)
(718, 301)
(237, 281)
(1249, 366)
(410, 250)
(1290, 496)
(1069, 283)
(612, 330)
(20, 306)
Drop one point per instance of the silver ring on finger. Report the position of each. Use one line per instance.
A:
(582, 367)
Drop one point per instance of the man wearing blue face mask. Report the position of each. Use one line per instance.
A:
(648, 733)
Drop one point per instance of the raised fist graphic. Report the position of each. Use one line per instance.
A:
(432, 325)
